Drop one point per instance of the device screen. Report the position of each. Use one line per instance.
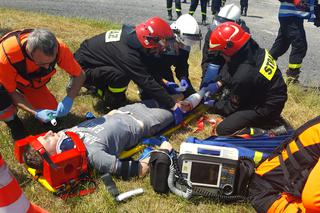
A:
(204, 173)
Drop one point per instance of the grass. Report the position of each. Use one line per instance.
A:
(303, 104)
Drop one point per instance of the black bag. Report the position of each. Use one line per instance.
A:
(245, 172)
(159, 171)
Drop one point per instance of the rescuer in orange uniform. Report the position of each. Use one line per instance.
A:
(288, 181)
(27, 63)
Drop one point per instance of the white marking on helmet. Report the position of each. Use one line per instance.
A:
(150, 29)
(236, 30)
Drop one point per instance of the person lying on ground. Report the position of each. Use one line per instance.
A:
(107, 136)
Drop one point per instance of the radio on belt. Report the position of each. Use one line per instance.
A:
(210, 169)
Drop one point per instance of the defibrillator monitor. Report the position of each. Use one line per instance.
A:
(209, 168)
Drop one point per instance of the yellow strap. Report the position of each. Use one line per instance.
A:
(294, 66)
(203, 13)
(257, 157)
(117, 90)
(251, 131)
(178, 10)
(100, 92)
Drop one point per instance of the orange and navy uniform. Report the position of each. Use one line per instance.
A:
(12, 199)
(12, 51)
(288, 180)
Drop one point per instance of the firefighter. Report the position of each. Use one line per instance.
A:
(193, 7)
(257, 91)
(288, 181)
(27, 63)
(187, 33)
(113, 58)
(211, 63)
(169, 8)
(291, 32)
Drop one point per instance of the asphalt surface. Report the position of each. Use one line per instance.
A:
(262, 20)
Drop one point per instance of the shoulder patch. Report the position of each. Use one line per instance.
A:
(113, 35)
(269, 66)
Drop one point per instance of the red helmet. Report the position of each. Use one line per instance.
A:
(151, 32)
(228, 38)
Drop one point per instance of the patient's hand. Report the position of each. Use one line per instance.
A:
(166, 145)
(185, 106)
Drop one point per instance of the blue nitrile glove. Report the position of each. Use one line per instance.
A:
(212, 88)
(208, 101)
(46, 115)
(211, 75)
(172, 87)
(178, 116)
(184, 84)
(64, 106)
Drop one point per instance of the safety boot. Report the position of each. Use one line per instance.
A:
(204, 20)
(245, 11)
(114, 100)
(293, 75)
(17, 128)
(178, 14)
(169, 15)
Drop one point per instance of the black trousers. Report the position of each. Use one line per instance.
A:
(291, 32)
(215, 6)
(106, 77)
(177, 3)
(194, 4)
(244, 3)
(246, 119)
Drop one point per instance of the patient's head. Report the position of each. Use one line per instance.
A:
(52, 142)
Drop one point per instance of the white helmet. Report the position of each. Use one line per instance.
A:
(186, 30)
(230, 12)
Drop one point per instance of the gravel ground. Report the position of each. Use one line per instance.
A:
(262, 20)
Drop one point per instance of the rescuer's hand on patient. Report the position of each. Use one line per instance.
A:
(212, 88)
(172, 87)
(46, 115)
(64, 106)
(178, 115)
(184, 84)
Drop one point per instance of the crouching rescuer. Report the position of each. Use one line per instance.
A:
(27, 63)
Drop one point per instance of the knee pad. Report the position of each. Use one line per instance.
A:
(127, 169)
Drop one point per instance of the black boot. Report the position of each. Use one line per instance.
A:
(241, 11)
(114, 100)
(293, 75)
(245, 11)
(178, 14)
(204, 20)
(170, 15)
(17, 129)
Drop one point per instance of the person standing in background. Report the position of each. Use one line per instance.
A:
(169, 8)
(193, 7)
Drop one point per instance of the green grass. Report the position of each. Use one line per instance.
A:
(302, 105)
